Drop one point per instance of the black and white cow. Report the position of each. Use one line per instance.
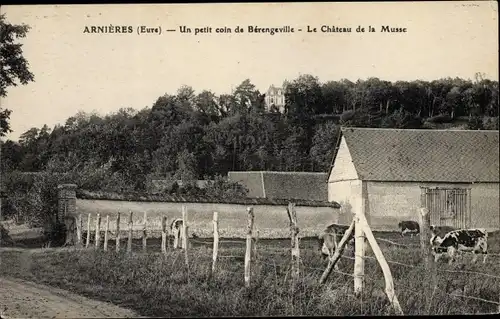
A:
(461, 240)
(441, 230)
(409, 226)
(176, 228)
(329, 239)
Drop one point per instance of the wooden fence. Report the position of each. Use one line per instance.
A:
(359, 228)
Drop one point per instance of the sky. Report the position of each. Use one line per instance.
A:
(76, 71)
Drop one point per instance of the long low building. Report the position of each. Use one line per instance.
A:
(283, 185)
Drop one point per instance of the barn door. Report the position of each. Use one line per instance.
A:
(447, 206)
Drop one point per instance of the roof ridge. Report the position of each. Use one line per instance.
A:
(279, 172)
(344, 128)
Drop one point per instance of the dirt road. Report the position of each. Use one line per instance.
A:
(22, 299)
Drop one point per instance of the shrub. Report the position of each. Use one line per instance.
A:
(220, 187)
(31, 196)
(439, 119)
(491, 123)
(54, 233)
(5, 239)
(475, 123)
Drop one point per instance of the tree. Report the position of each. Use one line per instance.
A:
(186, 168)
(248, 98)
(13, 65)
(324, 140)
(206, 103)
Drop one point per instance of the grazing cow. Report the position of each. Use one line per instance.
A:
(329, 239)
(409, 226)
(461, 240)
(441, 230)
(176, 227)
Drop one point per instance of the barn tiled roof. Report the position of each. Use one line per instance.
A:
(283, 185)
(424, 155)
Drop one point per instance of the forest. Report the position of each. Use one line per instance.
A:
(190, 135)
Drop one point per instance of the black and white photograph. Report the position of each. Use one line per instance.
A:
(270, 159)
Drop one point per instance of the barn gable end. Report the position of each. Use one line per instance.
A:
(343, 168)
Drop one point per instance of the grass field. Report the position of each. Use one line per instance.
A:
(157, 285)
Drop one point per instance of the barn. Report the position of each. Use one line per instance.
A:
(390, 173)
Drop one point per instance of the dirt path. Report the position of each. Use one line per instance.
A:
(22, 299)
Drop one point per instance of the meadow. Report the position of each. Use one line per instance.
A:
(154, 284)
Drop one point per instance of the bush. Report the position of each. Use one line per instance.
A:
(54, 233)
(32, 197)
(5, 239)
(475, 123)
(439, 119)
(491, 123)
(220, 187)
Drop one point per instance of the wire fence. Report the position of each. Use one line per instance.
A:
(372, 258)
(288, 265)
(366, 257)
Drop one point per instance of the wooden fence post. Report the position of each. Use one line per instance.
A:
(216, 240)
(87, 240)
(249, 246)
(144, 233)
(338, 252)
(98, 231)
(79, 227)
(294, 230)
(389, 283)
(164, 234)
(424, 237)
(184, 230)
(359, 246)
(184, 233)
(425, 245)
(118, 237)
(130, 226)
(106, 230)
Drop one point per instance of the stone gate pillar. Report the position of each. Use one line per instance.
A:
(66, 211)
(67, 201)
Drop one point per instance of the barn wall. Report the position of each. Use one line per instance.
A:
(271, 220)
(343, 169)
(484, 205)
(390, 202)
(348, 195)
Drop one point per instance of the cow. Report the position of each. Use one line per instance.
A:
(461, 240)
(328, 240)
(441, 230)
(409, 226)
(176, 228)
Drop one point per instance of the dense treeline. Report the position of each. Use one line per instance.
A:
(192, 136)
